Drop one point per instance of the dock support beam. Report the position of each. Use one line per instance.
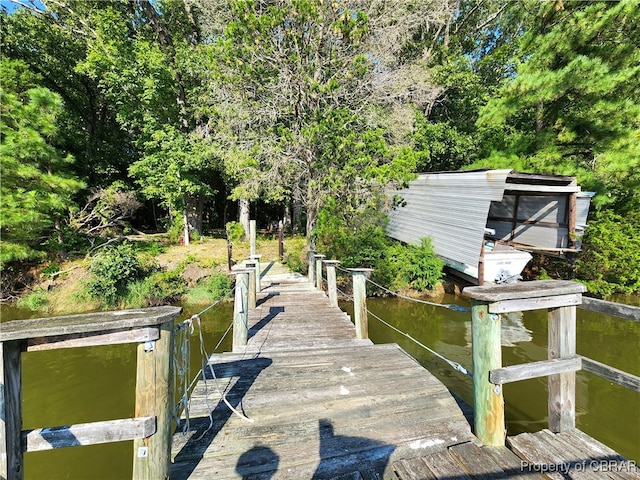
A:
(154, 394)
(562, 386)
(241, 310)
(360, 301)
(252, 237)
(488, 400)
(11, 456)
(318, 261)
(312, 271)
(559, 298)
(256, 258)
(332, 288)
(252, 266)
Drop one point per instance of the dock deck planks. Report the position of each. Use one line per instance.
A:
(323, 403)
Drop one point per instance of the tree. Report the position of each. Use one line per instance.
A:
(37, 186)
(573, 107)
(52, 42)
(302, 94)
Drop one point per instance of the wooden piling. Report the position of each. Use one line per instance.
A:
(11, 453)
(258, 280)
(280, 240)
(252, 265)
(488, 399)
(318, 263)
(360, 301)
(252, 237)
(241, 310)
(332, 289)
(311, 271)
(562, 386)
(154, 394)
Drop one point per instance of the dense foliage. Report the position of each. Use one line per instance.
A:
(160, 111)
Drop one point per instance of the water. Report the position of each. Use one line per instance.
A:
(90, 384)
(605, 411)
(62, 387)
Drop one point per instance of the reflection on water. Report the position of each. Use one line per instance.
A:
(91, 384)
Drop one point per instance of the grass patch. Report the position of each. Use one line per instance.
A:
(209, 290)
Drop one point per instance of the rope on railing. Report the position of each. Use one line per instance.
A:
(182, 362)
(450, 306)
(455, 365)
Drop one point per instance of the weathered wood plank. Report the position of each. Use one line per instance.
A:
(88, 433)
(612, 374)
(576, 463)
(11, 458)
(475, 462)
(535, 456)
(93, 339)
(526, 371)
(537, 303)
(443, 466)
(537, 288)
(87, 322)
(561, 404)
(412, 469)
(628, 312)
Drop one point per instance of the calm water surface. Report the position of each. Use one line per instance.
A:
(62, 387)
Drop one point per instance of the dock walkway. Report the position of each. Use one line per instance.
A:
(321, 403)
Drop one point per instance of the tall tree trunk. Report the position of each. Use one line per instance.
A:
(243, 216)
(195, 206)
(185, 220)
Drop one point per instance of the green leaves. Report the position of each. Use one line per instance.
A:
(36, 188)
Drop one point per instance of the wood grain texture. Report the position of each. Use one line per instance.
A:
(322, 402)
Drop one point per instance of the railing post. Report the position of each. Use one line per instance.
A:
(562, 386)
(252, 237)
(319, 259)
(11, 454)
(360, 301)
(256, 258)
(241, 310)
(154, 392)
(332, 289)
(312, 271)
(280, 240)
(488, 399)
(252, 266)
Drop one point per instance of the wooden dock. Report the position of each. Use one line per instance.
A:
(323, 404)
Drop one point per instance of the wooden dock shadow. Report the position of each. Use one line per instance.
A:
(344, 455)
(273, 313)
(202, 432)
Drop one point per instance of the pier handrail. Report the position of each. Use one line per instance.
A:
(560, 298)
(151, 328)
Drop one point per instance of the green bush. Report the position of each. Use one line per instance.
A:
(159, 288)
(363, 243)
(36, 300)
(111, 272)
(293, 256)
(210, 289)
(235, 232)
(610, 258)
(410, 266)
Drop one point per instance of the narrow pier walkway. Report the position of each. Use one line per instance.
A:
(322, 404)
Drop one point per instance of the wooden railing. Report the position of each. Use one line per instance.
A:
(152, 329)
(560, 298)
